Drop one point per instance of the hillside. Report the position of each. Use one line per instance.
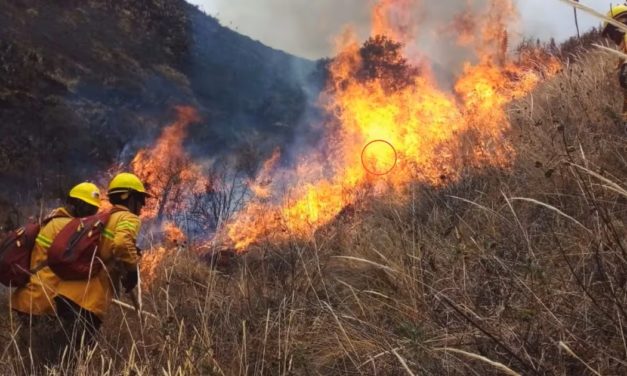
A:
(518, 270)
(82, 83)
(401, 227)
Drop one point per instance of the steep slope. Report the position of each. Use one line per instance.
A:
(521, 268)
(80, 81)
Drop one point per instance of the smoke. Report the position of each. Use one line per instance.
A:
(439, 36)
(302, 27)
(308, 28)
(446, 34)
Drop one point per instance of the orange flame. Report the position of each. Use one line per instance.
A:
(394, 19)
(173, 234)
(261, 185)
(172, 178)
(149, 265)
(435, 134)
(167, 170)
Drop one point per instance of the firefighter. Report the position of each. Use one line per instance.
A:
(82, 304)
(34, 303)
(619, 13)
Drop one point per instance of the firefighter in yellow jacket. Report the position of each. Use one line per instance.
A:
(82, 305)
(34, 303)
(619, 13)
(36, 298)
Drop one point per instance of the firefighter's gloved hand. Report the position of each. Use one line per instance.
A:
(129, 281)
(622, 76)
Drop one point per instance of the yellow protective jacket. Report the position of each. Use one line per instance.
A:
(623, 48)
(117, 248)
(37, 296)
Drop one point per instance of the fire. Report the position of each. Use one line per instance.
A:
(375, 94)
(170, 175)
(173, 234)
(394, 18)
(150, 264)
(172, 178)
(260, 186)
(379, 157)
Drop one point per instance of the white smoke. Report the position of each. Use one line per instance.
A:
(307, 28)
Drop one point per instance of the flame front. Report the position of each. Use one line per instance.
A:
(172, 178)
(173, 235)
(149, 265)
(168, 172)
(436, 134)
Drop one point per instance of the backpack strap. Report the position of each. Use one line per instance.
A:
(101, 221)
(103, 218)
(54, 215)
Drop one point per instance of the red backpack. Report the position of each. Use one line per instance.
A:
(73, 253)
(15, 251)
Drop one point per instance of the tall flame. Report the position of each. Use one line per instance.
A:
(435, 134)
(172, 178)
(169, 173)
(394, 18)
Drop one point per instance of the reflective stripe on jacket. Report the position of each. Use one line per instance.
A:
(117, 247)
(37, 296)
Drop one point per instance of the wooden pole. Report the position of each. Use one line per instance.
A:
(577, 21)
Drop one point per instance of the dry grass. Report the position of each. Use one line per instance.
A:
(507, 272)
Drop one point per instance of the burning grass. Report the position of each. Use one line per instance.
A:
(519, 272)
(168, 172)
(496, 243)
(389, 124)
(375, 92)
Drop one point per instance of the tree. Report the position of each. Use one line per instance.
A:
(382, 59)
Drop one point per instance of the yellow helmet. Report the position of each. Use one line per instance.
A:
(126, 182)
(615, 12)
(86, 192)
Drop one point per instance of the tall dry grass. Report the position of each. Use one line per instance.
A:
(507, 272)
